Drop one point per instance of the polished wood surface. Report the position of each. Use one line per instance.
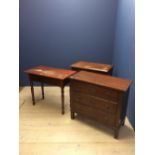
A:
(50, 72)
(93, 67)
(100, 97)
(103, 80)
(51, 76)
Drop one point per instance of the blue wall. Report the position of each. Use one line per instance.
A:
(59, 32)
(124, 49)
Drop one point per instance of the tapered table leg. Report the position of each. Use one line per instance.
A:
(32, 92)
(42, 90)
(62, 100)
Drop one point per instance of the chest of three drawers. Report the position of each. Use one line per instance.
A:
(100, 97)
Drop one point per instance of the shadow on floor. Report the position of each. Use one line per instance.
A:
(125, 132)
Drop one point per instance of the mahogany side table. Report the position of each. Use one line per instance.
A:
(92, 67)
(51, 76)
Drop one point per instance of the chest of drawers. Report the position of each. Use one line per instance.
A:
(100, 97)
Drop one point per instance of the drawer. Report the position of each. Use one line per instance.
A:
(96, 115)
(94, 90)
(95, 102)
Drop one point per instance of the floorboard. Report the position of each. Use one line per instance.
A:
(44, 131)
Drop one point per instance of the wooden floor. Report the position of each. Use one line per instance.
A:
(44, 131)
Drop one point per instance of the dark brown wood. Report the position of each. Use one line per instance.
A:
(72, 115)
(92, 95)
(51, 76)
(116, 132)
(42, 90)
(92, 67)
(32, 92)
(62, 100)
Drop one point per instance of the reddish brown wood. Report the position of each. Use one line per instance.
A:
(92, 95)
(50, 72)
(92, 67)
(51, 76)
(103, 80)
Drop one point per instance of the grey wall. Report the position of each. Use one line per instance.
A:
(59, 32)
(124, 49)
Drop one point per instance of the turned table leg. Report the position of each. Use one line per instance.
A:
(62, 100)
(32, 92)
(42, 90)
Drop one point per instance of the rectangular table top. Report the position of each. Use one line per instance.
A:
(50, 72)
(92, 66)
(103, 80)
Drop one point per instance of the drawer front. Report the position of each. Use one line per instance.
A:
(94, 102)
(94, 90)
(96, 115)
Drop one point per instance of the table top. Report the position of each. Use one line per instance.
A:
(92, 66)
(50, 72)
(103, 80)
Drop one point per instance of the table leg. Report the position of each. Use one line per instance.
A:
(42, 90)
(72, 115)
(62, 100)
(116, 131)
(32, 92)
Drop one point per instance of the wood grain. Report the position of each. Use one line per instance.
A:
(102, 98)
(50, 72)
(103, 80)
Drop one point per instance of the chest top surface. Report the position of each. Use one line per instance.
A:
(92, 66)
(50, 72)
(103, 80)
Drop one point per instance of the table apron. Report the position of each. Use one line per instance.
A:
(109, 72)
(47, 80)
